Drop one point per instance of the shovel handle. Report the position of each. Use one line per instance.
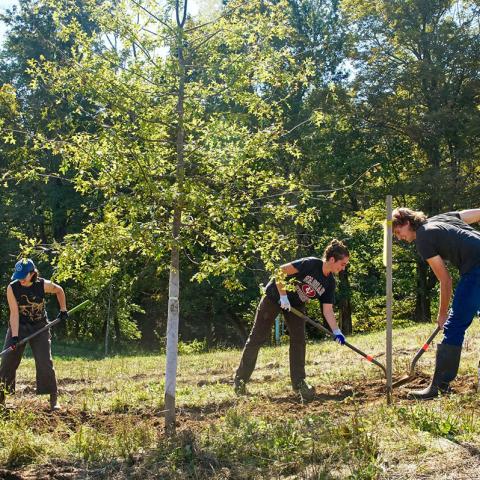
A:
(328, 332)
(423, 349)
(46, 327)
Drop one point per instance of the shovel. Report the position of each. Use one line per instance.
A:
(411, 375)
(328, 332)
(46, 327)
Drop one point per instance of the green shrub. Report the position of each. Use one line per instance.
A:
(195, 346)
(22, 448)
(428, 419)
(288, 446)
(90, 445)
(19, 444)
(132, 438)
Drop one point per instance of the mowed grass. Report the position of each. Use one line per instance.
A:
(111, 424)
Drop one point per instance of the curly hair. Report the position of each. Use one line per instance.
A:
(336, 249)
(402, 216)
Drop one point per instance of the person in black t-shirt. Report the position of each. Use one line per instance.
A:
(26, 300)
(295, 284)
(447, 237)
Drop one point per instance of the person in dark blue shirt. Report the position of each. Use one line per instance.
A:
(295, 284)
(442, 239)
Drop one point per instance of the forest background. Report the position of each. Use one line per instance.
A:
(297, 119)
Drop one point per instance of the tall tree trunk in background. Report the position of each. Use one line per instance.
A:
(424, 291)
(174, 281)
(240, 327)
(434, 202)
(344, 303)
(423, 300)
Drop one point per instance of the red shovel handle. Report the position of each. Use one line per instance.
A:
(423, 349)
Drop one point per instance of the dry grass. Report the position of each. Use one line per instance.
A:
(111, 425)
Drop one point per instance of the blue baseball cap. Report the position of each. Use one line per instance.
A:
(23, 268)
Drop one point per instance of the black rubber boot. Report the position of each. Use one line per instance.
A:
(446, 369)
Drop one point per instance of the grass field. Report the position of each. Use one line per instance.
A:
(111, 424)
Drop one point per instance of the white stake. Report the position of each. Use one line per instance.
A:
(478, 383)
(387, 260)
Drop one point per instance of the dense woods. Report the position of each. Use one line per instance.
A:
(249, 137)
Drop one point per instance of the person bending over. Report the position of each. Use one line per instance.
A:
(446, 238)
(295, 284)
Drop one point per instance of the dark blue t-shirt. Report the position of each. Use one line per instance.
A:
(309, 283)
(450, 237)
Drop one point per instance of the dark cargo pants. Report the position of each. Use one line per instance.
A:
(266, 313)
(41, 349)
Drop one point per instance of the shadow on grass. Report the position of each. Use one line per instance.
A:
(197, 412)
(294, 398)
(74, 349)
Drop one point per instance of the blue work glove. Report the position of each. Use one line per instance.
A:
(285, 302)
(12, 342)
(339, 337)
(62, 315)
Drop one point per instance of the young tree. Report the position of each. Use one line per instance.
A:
(179, 141)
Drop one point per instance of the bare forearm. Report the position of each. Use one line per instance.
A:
(280, 287)
(445, 296)
(14, 325)
(331, 320)
(54, 288)
(470, 216)
(14, 314)
(62, 301)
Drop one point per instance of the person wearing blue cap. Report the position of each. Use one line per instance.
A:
(26, 301)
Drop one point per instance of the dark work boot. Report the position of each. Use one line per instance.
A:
(54, 405)
(306, 391)
(446, 368)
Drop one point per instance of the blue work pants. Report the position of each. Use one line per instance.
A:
(465, 305)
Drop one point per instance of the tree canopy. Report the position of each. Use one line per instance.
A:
(296, 119)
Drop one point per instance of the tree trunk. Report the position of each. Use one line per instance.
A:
(423, 300)
(422, 305)
(239, 326)
(432, 151)
(344, 303)
(116, 325)
(174, 281)
(172, 340)
(107, 320)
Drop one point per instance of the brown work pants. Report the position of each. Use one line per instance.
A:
(41, 349)
(267, 310)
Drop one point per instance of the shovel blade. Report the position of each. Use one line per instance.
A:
(403, 381)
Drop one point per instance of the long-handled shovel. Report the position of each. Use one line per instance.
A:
(328, 332)
(411, 374)
(46, 327)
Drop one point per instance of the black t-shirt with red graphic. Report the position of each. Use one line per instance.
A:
(309, 282)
